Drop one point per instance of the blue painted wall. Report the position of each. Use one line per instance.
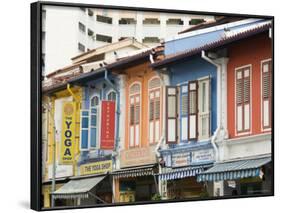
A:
(192, 69)
(195, 41)
(100, 89)
(88, 91)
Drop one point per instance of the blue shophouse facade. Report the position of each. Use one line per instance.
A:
(196, 81)
(97, 86)
(198, 150)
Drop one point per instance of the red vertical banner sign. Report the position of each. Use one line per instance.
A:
(107, 125)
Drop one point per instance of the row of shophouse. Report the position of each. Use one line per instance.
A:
(191, 118)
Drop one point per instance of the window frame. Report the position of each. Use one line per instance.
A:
(243, 131)
(90, 32)
(151, 21)
(167, 114)
(196, 21)
(97, 114)
(108, 40)
(266, 61)
(134, 95)
(192, 114)
(106, 17)
(83, 47)
(108, 93)
(90, 12)
(81, 128)
(208, 80)
(127, 21)
(174, 22)
(182, 115)
(151, 39)
(82, 27)
(154, 90)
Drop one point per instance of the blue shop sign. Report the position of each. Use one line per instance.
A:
(181, 159)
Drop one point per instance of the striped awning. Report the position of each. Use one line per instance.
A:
(134, 172)
(179, 173)
(77, 188)
(234, 170)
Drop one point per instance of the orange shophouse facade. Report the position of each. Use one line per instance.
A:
(136, 178)
(245, 166)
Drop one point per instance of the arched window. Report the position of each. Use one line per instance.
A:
(95, 101)
(94, 111)
(111, 96)
(134, 112)
(154, 109)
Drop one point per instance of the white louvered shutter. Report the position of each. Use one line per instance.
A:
(193, 110)
(204, 102)
(266, 94)
(171, 125)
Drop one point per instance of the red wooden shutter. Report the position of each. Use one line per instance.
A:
(172, 114)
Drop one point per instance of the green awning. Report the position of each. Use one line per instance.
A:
(183, 172)
(234, 170)
(134, 172)
(77, 188)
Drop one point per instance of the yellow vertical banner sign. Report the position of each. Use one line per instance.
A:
(68, 133)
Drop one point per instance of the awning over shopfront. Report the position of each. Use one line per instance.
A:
(77, 188)
(134, 172)
(234, 170)
(179, 173)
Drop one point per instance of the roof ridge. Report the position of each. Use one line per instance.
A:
(223, 40)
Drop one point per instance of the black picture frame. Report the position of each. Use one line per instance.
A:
(36, 95)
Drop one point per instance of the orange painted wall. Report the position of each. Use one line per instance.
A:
(249, 51)
(140, 73)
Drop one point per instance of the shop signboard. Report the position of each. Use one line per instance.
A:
(61, 171)
(181, 159)
(137, 157)
(68, 133)
(203, 156)
(96, 167)
(107, 125)
(231, 183)
(186, 158)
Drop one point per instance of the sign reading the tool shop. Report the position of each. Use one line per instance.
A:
(96, 167)
(68, 132)
(202, 156)
(107, 125)
(181, 159)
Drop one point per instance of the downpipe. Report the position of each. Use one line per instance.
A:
(215, 136)
(162, 139)
(163, 136)
(109, 83)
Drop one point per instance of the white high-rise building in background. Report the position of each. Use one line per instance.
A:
(69, 31)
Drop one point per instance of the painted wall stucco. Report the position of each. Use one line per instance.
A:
(241, 54)
(192, 69)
